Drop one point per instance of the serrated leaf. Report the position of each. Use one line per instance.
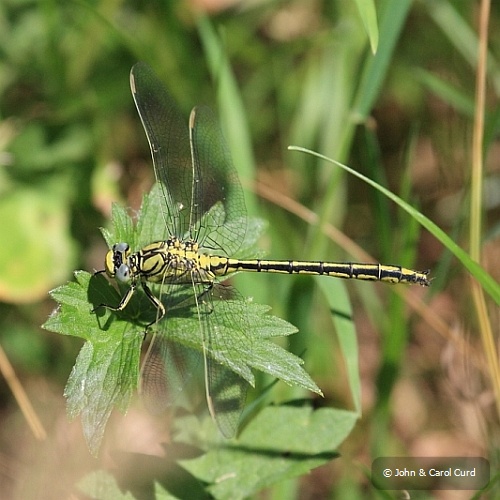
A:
(150, 224)
(250, 350)
(107, 368)
(281, 442)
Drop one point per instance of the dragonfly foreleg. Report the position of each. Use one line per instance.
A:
(123, 302)
(126, 299)
(156, 302)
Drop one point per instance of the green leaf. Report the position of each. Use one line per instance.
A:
(107, 368)
(281, 442)
(36, 251)
(368, 14)
(447, 92)
(34, 151)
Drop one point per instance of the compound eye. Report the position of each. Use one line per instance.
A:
(123, 273)
(120, 247)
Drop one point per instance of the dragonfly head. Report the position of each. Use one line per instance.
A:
(116, 263)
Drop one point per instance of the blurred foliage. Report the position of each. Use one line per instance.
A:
(279, 72)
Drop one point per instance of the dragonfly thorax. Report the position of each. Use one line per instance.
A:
(170, 261)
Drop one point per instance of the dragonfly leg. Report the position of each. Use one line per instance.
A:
(156, 302)
(126, 299)
(123, 303)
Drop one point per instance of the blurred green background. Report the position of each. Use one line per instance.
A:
(277, 73)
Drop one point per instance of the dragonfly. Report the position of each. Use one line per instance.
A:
(203, 211)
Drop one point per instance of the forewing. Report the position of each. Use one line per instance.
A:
(168, 137)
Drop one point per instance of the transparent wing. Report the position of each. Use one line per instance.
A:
(167, 370)
(224, 327)
(207, 328)
(226, 395)
(215, 182)
(168, 137)
(192, 164)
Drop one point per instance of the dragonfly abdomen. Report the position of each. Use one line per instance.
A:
(371, 272)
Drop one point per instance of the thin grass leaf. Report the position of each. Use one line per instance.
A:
(449, 94)
(461, 36)
(342, 318)
(368, 14)
(392, 19)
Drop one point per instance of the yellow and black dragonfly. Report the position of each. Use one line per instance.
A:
(205, 224)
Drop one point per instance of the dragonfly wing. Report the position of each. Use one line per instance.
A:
(226, 395)
(224, 327)
(166, 372)
(168, 137)
(215, 181)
